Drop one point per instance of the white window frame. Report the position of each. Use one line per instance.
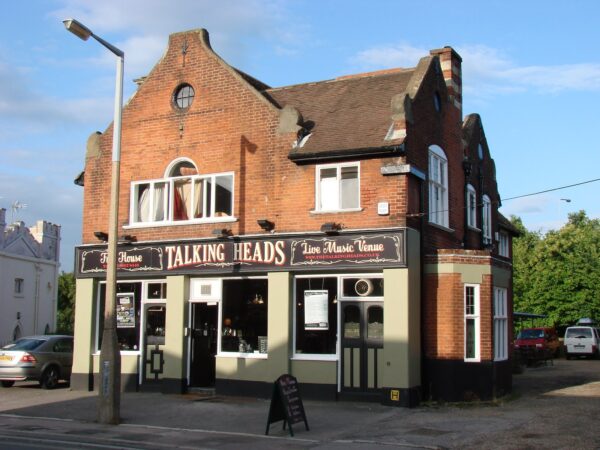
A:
(471, 206)
(500, 324)
(220, 301)
(486, 214)
(503, 244)
(144, 300)
(474, 316)
(209, 216)
(338, 180)
(438, 187)
(341, 298)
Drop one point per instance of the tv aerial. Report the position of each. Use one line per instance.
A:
(16, 207)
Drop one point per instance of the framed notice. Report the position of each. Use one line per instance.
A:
(316, 312)
(125, 310)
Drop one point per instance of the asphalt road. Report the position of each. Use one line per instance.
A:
(552, 406)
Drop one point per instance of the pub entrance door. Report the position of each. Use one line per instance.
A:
(153, 361)
(203, 344)
(362, 345)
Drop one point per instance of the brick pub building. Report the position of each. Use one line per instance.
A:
(344, 231)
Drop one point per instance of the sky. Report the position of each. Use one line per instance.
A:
(531, 69)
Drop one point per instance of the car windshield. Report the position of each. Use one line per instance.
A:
(579, 332)
(530, 334)
(24, 344)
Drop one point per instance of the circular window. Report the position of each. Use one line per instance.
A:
(363, 287)
(184, 96)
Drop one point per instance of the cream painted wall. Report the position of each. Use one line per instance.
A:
(470, 273)
(129, 363)
(175, 349)
(318, 372)
(85, 325)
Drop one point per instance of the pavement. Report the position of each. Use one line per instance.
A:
(553, 406)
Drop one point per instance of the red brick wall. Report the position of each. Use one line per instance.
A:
(443, 308)
(227, 128)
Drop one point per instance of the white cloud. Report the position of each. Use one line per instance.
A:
(489, 71)
(234, 26)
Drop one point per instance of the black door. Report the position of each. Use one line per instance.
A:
(362, 345)
(203, 344)
(153, 343)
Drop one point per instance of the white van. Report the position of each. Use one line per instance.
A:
(582, 341)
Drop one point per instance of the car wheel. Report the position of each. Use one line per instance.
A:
(49, 378)
(568, 356)
(7, 383)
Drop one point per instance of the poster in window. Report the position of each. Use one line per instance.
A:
(316, 313)
(125, 311)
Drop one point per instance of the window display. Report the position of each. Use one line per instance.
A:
(127, 314)
(316, 315)
(244, 312)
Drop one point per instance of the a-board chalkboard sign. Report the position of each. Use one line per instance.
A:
(286, 403)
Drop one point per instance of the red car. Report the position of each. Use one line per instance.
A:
(537, 343)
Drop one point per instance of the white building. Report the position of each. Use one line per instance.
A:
(29, 269)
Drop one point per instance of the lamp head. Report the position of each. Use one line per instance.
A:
(265, 224)
(331, 228)
(78, 29)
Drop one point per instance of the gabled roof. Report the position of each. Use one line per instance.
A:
(345, 116)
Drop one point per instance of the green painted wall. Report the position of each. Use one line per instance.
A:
(402, 320)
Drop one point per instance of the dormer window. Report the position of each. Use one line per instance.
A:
(182, 196)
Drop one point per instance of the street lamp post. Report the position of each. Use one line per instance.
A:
(110, 355)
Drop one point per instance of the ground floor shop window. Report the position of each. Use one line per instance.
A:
(316, 315)
(244, 314)
(129, 299)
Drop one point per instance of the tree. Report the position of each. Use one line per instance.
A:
(559, 274)
(66, 303)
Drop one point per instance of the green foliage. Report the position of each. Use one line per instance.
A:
(66, 303)
(558, 274)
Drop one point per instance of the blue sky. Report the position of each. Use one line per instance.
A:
(531, 69)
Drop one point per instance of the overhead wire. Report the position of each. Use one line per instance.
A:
(513, 198)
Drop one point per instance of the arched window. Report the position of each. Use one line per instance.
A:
(183, 195)
(438, 186)
(471, 206)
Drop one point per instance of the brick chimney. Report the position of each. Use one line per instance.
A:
(451, 63)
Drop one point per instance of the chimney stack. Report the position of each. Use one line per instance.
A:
(451, 63)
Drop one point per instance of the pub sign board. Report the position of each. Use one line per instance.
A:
(238, 255)
(286, 404)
